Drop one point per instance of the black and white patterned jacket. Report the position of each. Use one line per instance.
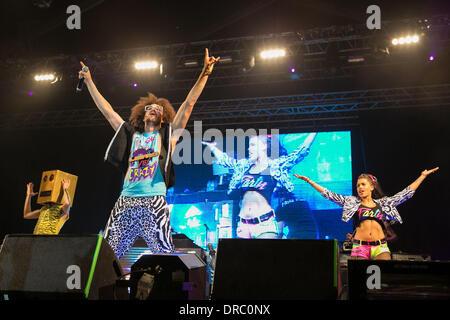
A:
(351, 204)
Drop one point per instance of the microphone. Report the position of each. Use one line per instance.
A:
(81, 81)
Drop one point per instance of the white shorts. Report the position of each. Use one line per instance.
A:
(251, 231)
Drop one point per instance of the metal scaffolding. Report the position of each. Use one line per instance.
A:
(316, 51)
(318, 110)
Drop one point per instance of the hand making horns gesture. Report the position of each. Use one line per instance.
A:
(209, 63)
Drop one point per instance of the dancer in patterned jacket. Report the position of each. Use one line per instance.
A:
(371, 209)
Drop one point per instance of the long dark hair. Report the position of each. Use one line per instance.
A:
(377, 192)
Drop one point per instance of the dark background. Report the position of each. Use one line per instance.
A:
(395, 145)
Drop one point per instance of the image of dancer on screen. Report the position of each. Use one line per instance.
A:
(142, 149)
(255, 179)
(370, 209)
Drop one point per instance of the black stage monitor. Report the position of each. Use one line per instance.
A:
(276, 269)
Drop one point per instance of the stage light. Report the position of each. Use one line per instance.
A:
(135, 85)
(30, 93)
(146, 65)
(270, 54)
(45, 77)
(405, 40)
(191, 63)
(48, 77)
(430, 58)
(353, 59)
(226, 59)
(295, 65)
(168, 69)
(247, 63)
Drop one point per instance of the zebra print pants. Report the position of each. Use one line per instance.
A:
(145, 217)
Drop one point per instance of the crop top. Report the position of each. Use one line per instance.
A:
(365, 213)
(262, 183)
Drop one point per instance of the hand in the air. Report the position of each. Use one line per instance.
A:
(84, 72)
(427, 172)
(209, 63)
(30, 187)
(301, 177)
(65, 184)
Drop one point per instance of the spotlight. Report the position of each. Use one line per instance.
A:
(355, 59)
(168, 69)
(191, 63)
(226, 59)
(49, 77)
(44, 77)
(430, 58)
(295, 64)
(270, 54)
(135, 85)
(405, 40)
(146, 65)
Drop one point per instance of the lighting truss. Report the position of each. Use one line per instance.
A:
(325, 109)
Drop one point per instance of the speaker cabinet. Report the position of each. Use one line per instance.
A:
(276, 269)
(57, 267)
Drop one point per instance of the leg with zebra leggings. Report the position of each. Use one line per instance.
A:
(155, 225)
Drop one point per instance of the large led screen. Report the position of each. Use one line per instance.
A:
(244, 187)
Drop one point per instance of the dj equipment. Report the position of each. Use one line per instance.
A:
(170, 276)
(50, 189)
(409, 257)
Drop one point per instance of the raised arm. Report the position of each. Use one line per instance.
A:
(114, 119)
(222, 158)
(185, 110)
(27, 213)
(316, 186)
(300, 153)
(421, 178)
(408, 192)
(65, 184)
(327, 194)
